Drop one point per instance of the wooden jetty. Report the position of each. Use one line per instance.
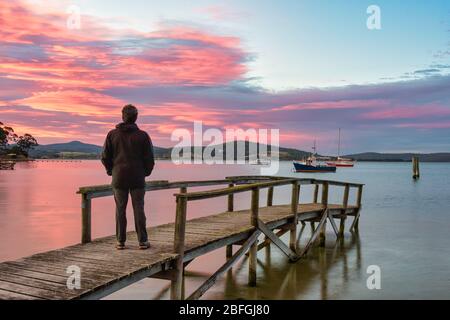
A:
(104, 270)
(7, 165)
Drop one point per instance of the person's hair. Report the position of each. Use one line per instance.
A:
(129, 113)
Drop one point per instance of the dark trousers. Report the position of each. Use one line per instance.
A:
(137, 199)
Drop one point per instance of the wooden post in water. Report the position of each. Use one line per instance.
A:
(325, 203)
(315, 199)
(176, 286)
(358, 203)
(344, 204)
(415, 167)
(254, 247)
(294, 207)
(85, 219)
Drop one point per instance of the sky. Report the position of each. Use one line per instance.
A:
(304, 67)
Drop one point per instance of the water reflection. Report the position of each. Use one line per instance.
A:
(322, 273)
(325, 273)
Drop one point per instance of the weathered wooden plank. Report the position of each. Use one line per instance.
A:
(17, 269)
(236, 189)
(62, 290)
(27, 290)
(8, 295)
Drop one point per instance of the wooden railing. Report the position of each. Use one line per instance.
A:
(236, 184)
(91, 192)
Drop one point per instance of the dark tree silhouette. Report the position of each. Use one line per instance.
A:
(7, 135)
(22, 144)
(26, 142)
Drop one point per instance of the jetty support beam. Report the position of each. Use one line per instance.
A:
(176, 286)
(252, 261)
(324, 224)
(344, 210)
(232, 260)
(85, 219)
(355, 224)
(315, 233)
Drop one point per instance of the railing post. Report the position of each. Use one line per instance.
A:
(344, 205)
(316, 193)
(294, 209)
(270, 197)
(231, 199)
(254, 247)
(359, 196)
(85, 218)
(229, 249)
(325, 203)
(176, 286)
(358, 204)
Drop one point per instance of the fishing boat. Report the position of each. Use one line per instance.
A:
(341, 162)
(312, 164)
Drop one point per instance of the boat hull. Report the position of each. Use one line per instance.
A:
(300, 167)
(342, 165)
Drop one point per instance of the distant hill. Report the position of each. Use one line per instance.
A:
(83, 150)
(72, 146)
(284, 153)
(79, 149)
(425, 157)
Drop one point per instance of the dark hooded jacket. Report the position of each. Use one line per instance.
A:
(128, 156)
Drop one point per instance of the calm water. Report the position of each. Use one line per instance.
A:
(404, 229)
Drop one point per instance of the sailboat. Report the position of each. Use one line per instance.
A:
(341, 162)
(312, 164)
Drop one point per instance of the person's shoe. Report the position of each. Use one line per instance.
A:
(120, 245)
(144, 245)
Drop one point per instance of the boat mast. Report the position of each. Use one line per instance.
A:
(339, 144)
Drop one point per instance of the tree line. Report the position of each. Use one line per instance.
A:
(10, 142)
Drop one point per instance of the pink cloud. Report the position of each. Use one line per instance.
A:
(411, 112)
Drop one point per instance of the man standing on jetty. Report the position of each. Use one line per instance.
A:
(128, 158)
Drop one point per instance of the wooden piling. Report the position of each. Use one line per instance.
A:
(415, 167)
(294, 208)
(254, 247)
(176, 287)
(322, 236)
(358, 204)
(85, 219)
(344, 204)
